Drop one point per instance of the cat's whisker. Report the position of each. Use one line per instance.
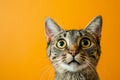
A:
(42, 76)
(49, 77)
(44, 67)
(59, 59)
(47, 73)
(44, 73)
(90, 63)
(90, 66)
(51, 74)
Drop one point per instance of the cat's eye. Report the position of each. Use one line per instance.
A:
(85, 43)
(61, 44)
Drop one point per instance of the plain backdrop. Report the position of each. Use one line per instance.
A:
(23, 44)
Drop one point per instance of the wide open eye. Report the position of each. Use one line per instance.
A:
(61, 44)
(85, 42)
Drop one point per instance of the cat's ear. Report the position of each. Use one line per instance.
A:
(51, 28)
(95, 26)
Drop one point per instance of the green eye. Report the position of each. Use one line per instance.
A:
(61, 44)
(85, 43)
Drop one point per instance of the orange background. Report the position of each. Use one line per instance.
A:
(22, 39)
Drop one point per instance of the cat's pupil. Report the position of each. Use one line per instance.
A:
(61, 43)
(85, 42)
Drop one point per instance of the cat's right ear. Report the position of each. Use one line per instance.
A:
(51, 28)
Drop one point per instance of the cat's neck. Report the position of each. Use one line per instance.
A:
(69, 76)
(76, 76)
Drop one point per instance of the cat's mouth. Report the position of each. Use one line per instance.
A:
(74, 62)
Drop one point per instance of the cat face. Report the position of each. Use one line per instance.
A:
(73, 50)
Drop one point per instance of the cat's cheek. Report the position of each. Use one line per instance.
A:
(68, 58)
(58, 67)
(57, 51)
(94, 58)
(78, 58)
(52, 58)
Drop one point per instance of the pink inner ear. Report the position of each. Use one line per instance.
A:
(49, 37)
(51, 28)
(49, 34)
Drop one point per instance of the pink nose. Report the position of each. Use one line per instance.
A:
(73, 52)
(73, 49)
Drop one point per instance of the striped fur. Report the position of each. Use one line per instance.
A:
(74, 62)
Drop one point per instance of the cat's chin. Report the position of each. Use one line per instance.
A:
(74, 64)
(73, 67)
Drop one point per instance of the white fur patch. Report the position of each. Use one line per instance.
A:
(73, 67)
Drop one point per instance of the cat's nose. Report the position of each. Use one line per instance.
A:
(73, 52)
(73, 49)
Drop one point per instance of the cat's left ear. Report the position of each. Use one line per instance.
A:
(95, 26)
(51, 28)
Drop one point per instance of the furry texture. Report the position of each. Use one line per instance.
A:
(74, 53)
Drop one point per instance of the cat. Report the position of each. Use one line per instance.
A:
(74, 53)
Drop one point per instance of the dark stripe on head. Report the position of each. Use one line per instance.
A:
(81, 33)
(64, 34)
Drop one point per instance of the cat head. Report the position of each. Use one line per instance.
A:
(73, 50)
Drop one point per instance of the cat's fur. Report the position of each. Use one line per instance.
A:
(75, 61)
